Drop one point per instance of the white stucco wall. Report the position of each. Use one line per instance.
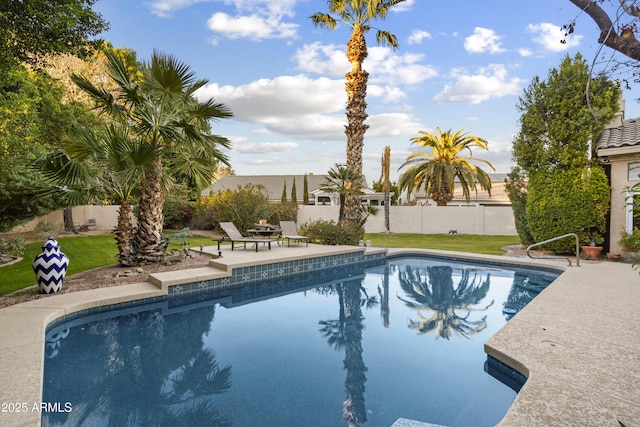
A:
(482, 220)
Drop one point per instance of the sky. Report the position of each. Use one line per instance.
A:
(461, 65)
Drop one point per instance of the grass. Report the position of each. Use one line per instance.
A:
(88, 252)
(84, 252)
(474, 243)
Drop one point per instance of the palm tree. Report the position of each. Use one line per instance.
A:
(107, 164)
(358, 16)
(346, 182)
(158, 103)
(437, 171)
(386, 185)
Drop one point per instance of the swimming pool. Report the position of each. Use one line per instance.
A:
(402, 339)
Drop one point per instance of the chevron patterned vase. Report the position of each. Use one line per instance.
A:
(50, 267)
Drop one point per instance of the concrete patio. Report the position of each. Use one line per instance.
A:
(578, 342)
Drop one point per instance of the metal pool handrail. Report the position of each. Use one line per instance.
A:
(558, 238)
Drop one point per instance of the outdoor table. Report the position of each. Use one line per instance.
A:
(264, 232)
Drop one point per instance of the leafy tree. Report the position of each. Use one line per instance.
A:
(305, 191)
(158, 102)
(346, 182)
(33, 121)
(358, 16)
(558, 122)
(294, 195)
(616, 31)
(283, 198)
(30, 29)
(394, 191)
(437, 171)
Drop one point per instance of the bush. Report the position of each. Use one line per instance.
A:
(332, 233)
(569, 201)
(630, 241)
(516, 187)
(177, 209)
(243, 206)
(13, 247)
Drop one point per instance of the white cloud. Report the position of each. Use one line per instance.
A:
(264, 147)
(549, 35)
(165, 8)
(383, 64)
(387, 93)
(256, 20)
(417, 36)
(301, 107)
(254, 27)
(296, 106)
(392, 125)
(483, 40)
(524, 52)
(405, 6)
(322, 59)
(490, 82)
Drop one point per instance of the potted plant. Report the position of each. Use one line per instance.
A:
(592, 250)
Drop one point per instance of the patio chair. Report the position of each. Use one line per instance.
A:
(234, 236)
(290, 232)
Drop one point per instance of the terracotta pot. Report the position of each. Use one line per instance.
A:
(593, 252)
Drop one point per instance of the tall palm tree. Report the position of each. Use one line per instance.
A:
(386, 185)
(158, 102)
(357, 14)
(346, 182)
(437, 171)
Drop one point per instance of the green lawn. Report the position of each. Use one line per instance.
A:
(87, 252)
(84, 252)
(491, 245)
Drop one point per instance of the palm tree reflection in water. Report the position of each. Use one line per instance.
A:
(346, 333)
(432, 289)
(177, 382)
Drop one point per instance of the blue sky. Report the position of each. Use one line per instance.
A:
(461, 65)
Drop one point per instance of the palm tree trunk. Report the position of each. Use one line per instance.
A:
(356, 87)
(386, 164)
(150, 242)
(124, 233)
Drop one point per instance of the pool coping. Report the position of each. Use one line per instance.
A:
(578, 372)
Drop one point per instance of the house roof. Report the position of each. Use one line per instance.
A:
(626, 135)
(273, 184)
(498, 195)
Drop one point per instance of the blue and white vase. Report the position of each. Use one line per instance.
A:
(50, 267)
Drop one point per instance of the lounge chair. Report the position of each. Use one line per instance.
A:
(234, 236)
(290, 232)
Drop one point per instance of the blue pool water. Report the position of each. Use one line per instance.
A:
(399, 340)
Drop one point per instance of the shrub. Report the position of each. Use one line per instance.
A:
(516, 187)
(13, 247)
(177, 209)
(332, 233)
(630, 241)
(243, 206)
(569, 201)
